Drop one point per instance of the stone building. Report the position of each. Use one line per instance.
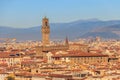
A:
(81, 47)
(45, 31)
(78, 57)
(46, 46)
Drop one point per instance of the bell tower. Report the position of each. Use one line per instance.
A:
(45, 31)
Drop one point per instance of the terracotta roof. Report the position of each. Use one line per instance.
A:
(42, 75)
(28, 62)
(60, 75)
(8, 54)
(23, 74)
(78, 44)
(80, 54)
(3, 64)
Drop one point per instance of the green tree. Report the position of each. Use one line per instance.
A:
(10, 78)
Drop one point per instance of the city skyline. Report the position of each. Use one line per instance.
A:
(59, 40)
(83, 59)
(29, 13)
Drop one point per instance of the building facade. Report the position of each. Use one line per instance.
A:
(78, 57)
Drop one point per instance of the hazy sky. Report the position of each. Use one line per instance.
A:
(29, 13)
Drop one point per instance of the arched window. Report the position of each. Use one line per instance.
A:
(36, 71)
(45, 23)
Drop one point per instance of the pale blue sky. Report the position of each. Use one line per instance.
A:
(29, 13)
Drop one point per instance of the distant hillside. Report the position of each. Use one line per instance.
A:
(75, 29)
(112, 31)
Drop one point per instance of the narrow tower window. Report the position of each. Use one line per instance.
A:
(45, 23)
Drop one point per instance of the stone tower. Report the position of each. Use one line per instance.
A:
(45, 31)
